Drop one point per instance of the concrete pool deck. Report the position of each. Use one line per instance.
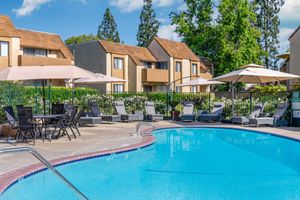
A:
(105, 137)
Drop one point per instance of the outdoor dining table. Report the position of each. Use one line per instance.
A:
(45, 119)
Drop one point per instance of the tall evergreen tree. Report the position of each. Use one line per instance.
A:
(149, 25)
(237, 36)
(195, 26)
(80, 39)
(268, 23)
(108, 28)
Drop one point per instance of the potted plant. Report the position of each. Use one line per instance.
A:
(174, 113)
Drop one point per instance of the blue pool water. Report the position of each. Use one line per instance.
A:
(183, 164)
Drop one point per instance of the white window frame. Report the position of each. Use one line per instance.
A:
(118, 88)
(177, 89)
(35, 52)
(178, 66)
(147, 65)
(4, 49)
(194, 68)
(118, 63)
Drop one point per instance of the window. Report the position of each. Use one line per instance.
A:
(118, 88)
(147, 88)
(194, 89)
(118, 63)
(178, 67)
(147, 65)
(35, 52)
(178, 89)
(162, 65)
(3, 48)
(194, 68)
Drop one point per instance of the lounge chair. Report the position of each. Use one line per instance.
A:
(272, 121)
(215, 115)
(150, 112)
(95, 112)
(257, 110)
(120, 108)
(188, 114)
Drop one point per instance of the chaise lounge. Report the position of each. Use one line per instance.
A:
(95, 112)
(151, 115)
(188, 114)
(257, 110)
(120, 108)
(272, 121)
(215, 115)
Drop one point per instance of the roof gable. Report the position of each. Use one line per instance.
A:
(294, 32)
(177, 49)
(137, 54)
(7, 27)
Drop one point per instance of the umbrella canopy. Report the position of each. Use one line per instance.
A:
(43, 73)
(98, 79)
(200, 81)
(253, 73)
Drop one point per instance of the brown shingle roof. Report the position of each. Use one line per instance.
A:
(7, 28)
(177, 50)
(137, 54)
(43, 41)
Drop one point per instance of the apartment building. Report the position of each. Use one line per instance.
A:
(292, 59)
(20, 47)
(151, 69)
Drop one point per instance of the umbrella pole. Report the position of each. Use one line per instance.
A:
(44, 98)
(232, 93)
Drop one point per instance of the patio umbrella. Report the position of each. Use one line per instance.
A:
(43, 73)
(253, 73)
(98, 79)
(200, 81)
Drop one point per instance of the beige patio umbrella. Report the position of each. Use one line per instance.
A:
(43, 73)
(200, 81)
(253, 73)
(98, 79)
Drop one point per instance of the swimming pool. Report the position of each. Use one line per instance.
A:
(184, 163)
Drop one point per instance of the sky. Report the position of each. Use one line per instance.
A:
(74, 17)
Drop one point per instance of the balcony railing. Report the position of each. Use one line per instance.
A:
(155, 76)
(35, 61)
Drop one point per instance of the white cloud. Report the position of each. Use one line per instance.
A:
(290, 11)
(29, 6)
(168, 32)
(131, 5)
(284, 35)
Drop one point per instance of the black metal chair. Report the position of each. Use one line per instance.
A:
(68, 109)
(57, 109)
(26, 124)
(67, 123)
(76, 120)
(11, 120)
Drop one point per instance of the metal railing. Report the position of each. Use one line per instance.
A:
(140, 124)
(48, 165)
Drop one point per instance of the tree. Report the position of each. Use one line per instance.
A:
(237, 36)
(268, 23)
(80, 39)
(195, 26)
(149, 25)
(108, 28)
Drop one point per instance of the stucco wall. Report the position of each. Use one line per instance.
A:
(294, 67)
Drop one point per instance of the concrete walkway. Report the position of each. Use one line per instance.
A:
(105, 136)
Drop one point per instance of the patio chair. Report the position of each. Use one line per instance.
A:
(257, 110)
(215, 115)
(188, 114)
(57, 108)
(272, 121)
(151, 115)
(76, 120)
(26, 124)
(68, 109)
(67, 123)
(11, 120)
(95, 112)
(120, 108)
